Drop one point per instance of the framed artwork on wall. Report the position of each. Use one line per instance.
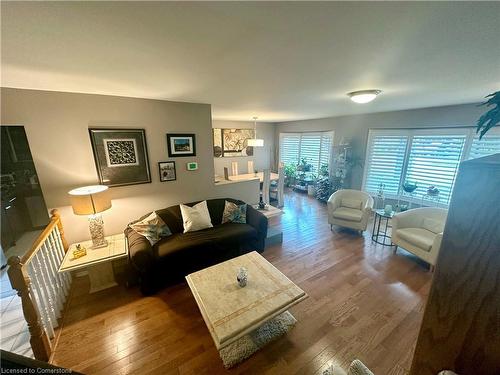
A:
(167, 171)
(121, 156)
(180, 145)
(232, 142)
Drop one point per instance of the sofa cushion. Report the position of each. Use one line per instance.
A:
(152, 227)
(433, 225)
(419, 237)
(349, 214)
(234, 213)
(196, 217)
(223, 235)
(351, 203)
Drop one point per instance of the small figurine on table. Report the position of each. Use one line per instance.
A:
(79, 252)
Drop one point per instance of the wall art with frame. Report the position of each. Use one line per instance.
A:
(167, 171)
(180, 145)
(121, 156)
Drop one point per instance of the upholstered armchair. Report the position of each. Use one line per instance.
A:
(350, 208)
(420, 232)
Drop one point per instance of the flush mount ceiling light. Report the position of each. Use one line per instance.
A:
(255, 142)
(363, 96)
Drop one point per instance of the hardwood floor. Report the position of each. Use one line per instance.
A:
(364, 302)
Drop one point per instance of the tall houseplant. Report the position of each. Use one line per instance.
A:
(490, 118)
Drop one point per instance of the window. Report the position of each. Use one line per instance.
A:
(433, 160)
(314, 147)
(488, 145)
(387, 153)
(289, 148)
(427, 157)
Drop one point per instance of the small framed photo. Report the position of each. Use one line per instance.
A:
(181, 145)
(121, 156)
(167, 171)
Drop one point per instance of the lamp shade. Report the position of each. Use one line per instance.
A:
(90, 200)
(255, 142)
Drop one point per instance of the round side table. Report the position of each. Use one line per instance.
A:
(379, 233)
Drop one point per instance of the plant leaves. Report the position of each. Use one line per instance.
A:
(490, 118)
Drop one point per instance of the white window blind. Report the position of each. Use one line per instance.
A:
(433, 160)
(385, 162)
(315, 148)
(289, 148)
(326, 148)
(488, 145)
(310, 149)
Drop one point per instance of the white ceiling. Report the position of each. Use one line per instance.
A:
(279, 61)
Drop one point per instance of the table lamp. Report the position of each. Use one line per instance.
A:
(91, 201)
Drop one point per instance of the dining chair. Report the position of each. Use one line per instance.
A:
(266, 184)
(250, 166)
(277, 190)
(234, 168)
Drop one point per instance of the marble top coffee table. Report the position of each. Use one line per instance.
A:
(231, 311)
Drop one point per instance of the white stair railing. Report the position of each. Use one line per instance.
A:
(43, 290)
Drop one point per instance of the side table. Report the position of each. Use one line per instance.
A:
(379, 233)
(97, 261)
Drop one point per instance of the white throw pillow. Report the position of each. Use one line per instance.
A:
(435, 226)
(351, 203)
(196, 217)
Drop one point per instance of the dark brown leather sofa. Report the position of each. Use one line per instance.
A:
(173, 257)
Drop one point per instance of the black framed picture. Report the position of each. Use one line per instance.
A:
(121, 156)
(167, 171)
(181, 145)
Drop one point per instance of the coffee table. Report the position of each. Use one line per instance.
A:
(231, 311)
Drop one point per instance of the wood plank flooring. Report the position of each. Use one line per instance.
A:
(364, 302)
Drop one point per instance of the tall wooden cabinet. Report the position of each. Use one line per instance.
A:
(461, 324)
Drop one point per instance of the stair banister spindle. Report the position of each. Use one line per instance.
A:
(39, 299)
(45, 288)
(21, 282)
(62, 292)
(50, 250)
(60, 253)
(51, 276)
(44, 297)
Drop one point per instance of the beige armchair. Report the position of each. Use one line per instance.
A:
(350, 208)
(420, 231)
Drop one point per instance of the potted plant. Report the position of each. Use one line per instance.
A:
(290, 171)
(323, 183)
(490, 118)
(303, 166)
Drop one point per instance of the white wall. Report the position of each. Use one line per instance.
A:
(263, 157)
(57, 125)
(355, 128)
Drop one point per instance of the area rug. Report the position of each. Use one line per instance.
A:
(244, 347)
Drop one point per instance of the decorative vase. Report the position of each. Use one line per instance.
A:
(311, 190)
(262, 205)
(242, 277)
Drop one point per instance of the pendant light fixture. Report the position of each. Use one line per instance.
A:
(255, 142)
